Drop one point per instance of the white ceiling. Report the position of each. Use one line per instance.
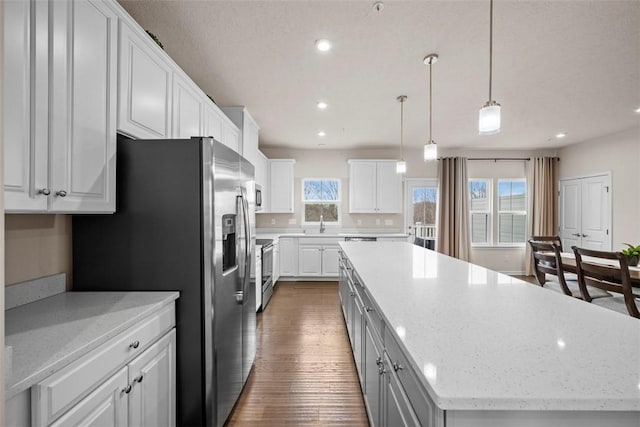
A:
(571, 66)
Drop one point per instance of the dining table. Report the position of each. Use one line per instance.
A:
(569, 265)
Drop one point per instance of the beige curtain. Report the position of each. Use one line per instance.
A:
(453, 214)
(543, 200)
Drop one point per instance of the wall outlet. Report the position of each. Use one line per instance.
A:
(377, 221)
(273, 221)
(359, 222)
(292, 221)
(388, 222)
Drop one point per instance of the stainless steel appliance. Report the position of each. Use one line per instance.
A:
(266, 270)
(184, 221)
(360, 239)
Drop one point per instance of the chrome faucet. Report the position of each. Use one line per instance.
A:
(321, 224)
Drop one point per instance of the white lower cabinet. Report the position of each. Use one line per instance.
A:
(315, 260)
(128, 381)
(276, 260)
(288, 256)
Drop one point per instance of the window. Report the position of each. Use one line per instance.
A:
(512, 211)
(510, 205)
(480, 211)
(321, 196)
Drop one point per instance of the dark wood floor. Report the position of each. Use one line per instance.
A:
(304, 372)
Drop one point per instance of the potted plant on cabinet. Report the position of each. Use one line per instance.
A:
(632, 253)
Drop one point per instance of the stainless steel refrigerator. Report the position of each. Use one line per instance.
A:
(185, 220)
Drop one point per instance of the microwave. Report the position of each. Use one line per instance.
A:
(258, 197)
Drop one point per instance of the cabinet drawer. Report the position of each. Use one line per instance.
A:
(424, 407)
(373, 316)
(56, 394)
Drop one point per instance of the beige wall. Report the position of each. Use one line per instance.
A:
(619, 154)
(37, 246)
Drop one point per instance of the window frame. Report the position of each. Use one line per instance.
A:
(514, 212)
(489, 212)
(337, 202)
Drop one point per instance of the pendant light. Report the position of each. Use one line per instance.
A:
(430, 148)
(401, 165)
(489, 117)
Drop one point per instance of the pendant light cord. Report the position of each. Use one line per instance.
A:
(401, 129)
(430, 98)
(490, 46)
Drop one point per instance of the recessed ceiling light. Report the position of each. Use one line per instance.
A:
(322, 105)
(323, 45)
(561, 135)
(637, 110)
(322, 145)
(321, 133)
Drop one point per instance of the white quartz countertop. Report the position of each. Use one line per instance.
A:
(329, 234)
(484, 340)
(48, 334)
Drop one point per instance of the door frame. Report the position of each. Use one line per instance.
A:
(609, 209)
(408, 197)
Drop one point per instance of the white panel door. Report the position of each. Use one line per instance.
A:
(310, 260)
(362, 187)
(107, 406)
(25, 78)
(152, 400)
(585, 213)
(212, 122)
(144, 88)
(83, 120)
(570, 218)
(330, 261)
(389, 191)
(187, 109)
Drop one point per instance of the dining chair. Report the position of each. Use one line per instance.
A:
(547, 260)
(548, 239)
(598, 271)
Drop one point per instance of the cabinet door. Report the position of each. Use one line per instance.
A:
(276, 262)
(362, 187)
(397, 408)
(152, 400)
(144, 87)
(389, 188)
(107, 406)
(231, 137)
(310, 260)
(83, 120)
(372, 366)
(288, 257)
(281, 186)
(188, 108)
(212, 122)
(330, 261)
(358, 327)
(25, 75)
(250, 132)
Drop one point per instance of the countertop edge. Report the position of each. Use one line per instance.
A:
(48, 370)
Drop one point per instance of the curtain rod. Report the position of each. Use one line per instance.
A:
(495, 159)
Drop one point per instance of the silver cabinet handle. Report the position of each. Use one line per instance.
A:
(139, 378)
(576, 234)
(381, 369)
(368, 309)
(134, 344)
(61, 193)
(44, 191)
(397, 367)
(353, 294)
(127, 389)
(585, 235)
(378, 361)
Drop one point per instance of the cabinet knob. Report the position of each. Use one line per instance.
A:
(61, 193)
(381, 369)
(378, 361)
(397, 367)
(139, 378)
(127, 389)
(44, 191)
(368, 309)
(134, 344)
(353, 294)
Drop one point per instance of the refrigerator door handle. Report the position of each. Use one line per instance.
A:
(247, 238)
(241, 262)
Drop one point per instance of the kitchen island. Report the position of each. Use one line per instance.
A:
(439, 341)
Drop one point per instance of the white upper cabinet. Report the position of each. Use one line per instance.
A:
(374, 187)
(281, 185)
(262, 179)
(60, 159)
(145, 87)
(249, 129)
(188, 106)
(212, 122)
(231, 136)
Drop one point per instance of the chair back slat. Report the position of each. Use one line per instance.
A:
(548, 239)
(547, 260)
(611, 278)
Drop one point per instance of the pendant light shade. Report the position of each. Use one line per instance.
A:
(489, 116)
(430, 151)
(430, 148)
(401, 165)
